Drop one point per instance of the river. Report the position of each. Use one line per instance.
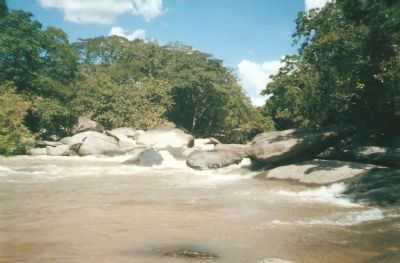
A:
(71, 209)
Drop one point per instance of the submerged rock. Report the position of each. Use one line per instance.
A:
(318, 172)
(203, 160)
(191, 254)
(163, 138)
(283, 147)
(146, 157)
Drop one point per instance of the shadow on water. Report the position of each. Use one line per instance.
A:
(378, 187)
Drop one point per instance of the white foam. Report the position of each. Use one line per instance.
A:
(342, 219)
(327, 194)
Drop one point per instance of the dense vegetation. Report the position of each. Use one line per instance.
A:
(347, 70)
(46, 83)
(346, 73)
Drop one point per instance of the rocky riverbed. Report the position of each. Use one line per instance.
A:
(164, 196)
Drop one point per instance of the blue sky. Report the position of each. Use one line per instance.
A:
(250, 36)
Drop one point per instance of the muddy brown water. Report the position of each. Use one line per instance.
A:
(98, 210)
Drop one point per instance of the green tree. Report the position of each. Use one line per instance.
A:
(15, 138)
(131, 104)
(345, 72)
(3, 8)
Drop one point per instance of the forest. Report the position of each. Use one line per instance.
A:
(346, 73)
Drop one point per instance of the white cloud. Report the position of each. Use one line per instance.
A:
(130, 35)
(311, 4)
(254, 78)
(104, 11)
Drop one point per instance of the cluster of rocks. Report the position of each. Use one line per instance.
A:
(311, 158)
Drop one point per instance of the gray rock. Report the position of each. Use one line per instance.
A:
(240, 149)
(125, 132)
(283, 147)
(86, 124)
(162, 138)
(81, 137)
(49, 143)
(37, 151)
(146, 157)
(61, 150)
(125, 138)
(98, 144)
(318, 172)
(203, 160)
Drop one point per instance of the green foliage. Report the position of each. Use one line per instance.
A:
(14, 135)
(206, 99)
(130, 104)
(3, 8)
(346, 72)
(115, 81)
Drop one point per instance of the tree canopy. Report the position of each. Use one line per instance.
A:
(141, 84)
(346, 71)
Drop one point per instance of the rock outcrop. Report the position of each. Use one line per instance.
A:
(163, 138)
(204, 160)
(318, 172)
(283, 147)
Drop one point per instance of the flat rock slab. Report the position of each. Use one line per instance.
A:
(318, 172)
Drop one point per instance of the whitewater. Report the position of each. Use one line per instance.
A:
(97, 209)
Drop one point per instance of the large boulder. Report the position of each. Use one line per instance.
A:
(318, 172)
(61, 150)
(125, 137)
(49, 143)
(145, 157)
(240, 149)
(124, 132)
(162, 138)
(37, 151)
(283, 147)
(86, 124)
(99, 144)
(204, 160)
